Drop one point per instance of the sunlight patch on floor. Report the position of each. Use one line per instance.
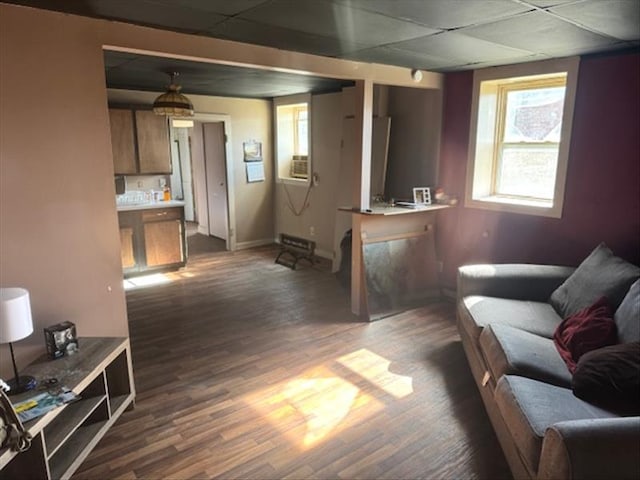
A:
(312, 407)
(375, 369)
(146, 281)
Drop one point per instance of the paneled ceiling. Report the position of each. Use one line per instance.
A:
(436, 35)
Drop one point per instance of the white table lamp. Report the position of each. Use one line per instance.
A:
(15, 324)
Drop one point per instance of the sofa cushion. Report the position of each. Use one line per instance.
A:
(590, 328)
(610, 377)
(600, 274)
(509, 350)
(476, 312)
(627, 317)
(529, 407)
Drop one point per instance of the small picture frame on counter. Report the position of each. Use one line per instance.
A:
(422, 195)
(61, 339)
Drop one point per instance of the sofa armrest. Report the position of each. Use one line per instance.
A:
(590, 449)
(516, 280)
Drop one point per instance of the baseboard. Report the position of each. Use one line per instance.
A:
(254, 243)
(204, 230)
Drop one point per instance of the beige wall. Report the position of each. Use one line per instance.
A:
(326, 135)
(58, 225)
(250, 120)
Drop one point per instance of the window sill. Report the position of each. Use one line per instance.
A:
(515, 205)
(301, 182)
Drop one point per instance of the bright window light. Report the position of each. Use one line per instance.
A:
(375, 369)
(312, 407)
(146, 281)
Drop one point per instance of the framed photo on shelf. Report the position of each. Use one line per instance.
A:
(422, 195)
(252, 151)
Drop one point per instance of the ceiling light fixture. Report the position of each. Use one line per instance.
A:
(416, 75)
(172, 103)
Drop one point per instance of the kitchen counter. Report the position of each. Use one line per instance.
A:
(150, 205)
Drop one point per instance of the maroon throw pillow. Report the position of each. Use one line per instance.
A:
(586, 330)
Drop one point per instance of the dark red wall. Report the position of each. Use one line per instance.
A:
(602, 195)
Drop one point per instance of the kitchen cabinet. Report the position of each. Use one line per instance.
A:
(140, 142)
(123, 141)
(152, 240)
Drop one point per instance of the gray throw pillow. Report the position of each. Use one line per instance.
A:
(627, 317)
(600, 274)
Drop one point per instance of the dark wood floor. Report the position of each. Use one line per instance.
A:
(247, 369)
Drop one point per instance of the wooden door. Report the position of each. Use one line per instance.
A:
(216, 178)
(154, 152)
(122, 141)
(163, 242)
(126, 247)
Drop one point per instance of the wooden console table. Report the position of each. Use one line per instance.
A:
(101, 374)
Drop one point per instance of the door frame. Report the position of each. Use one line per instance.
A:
(231, 207)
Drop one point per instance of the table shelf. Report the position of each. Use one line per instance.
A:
(101, 375)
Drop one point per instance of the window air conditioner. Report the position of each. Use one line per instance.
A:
(300, 166)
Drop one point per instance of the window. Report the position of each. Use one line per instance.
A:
(521, 126)
(292, 132)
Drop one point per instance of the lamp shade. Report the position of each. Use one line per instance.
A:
(15, 315)
(173, 103)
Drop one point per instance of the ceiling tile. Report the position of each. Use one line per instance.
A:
(223, 7)
(441, 14)
(462, 48)
(550, 3)
(146, 72)
(335, 21)
(246, 31)
(537, 32)
(618, 18)
(402, 58)
(148, 13)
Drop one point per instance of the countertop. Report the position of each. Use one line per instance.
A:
(150, 205)
(388, 210)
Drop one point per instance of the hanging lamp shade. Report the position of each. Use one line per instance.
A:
(172, 102)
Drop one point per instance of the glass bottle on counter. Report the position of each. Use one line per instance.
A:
(166, 193)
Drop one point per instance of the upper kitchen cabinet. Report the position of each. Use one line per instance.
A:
(154, 152)
(140, 142)
(123, 141)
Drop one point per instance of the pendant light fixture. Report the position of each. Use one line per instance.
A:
(172, 103)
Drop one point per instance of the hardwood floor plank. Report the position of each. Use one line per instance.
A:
(247, 369)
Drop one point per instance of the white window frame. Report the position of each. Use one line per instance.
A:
(483, 142)
(284, 159)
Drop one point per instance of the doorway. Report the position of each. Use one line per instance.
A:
(203, 157)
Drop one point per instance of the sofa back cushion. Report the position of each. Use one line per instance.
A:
(627, 316)
(610, 377)
(600, 274)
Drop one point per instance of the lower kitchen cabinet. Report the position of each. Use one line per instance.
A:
(152, 240)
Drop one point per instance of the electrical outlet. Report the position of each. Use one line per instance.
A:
(312, 231)
(139, 184)
(440, 266)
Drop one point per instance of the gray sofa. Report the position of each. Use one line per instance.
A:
(507, 321)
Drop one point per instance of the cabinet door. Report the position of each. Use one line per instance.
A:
(126, 247)
(163, 242)
(122, 141)
(153, 142)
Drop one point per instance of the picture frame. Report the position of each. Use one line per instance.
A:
(422, 195)
(252, 151)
